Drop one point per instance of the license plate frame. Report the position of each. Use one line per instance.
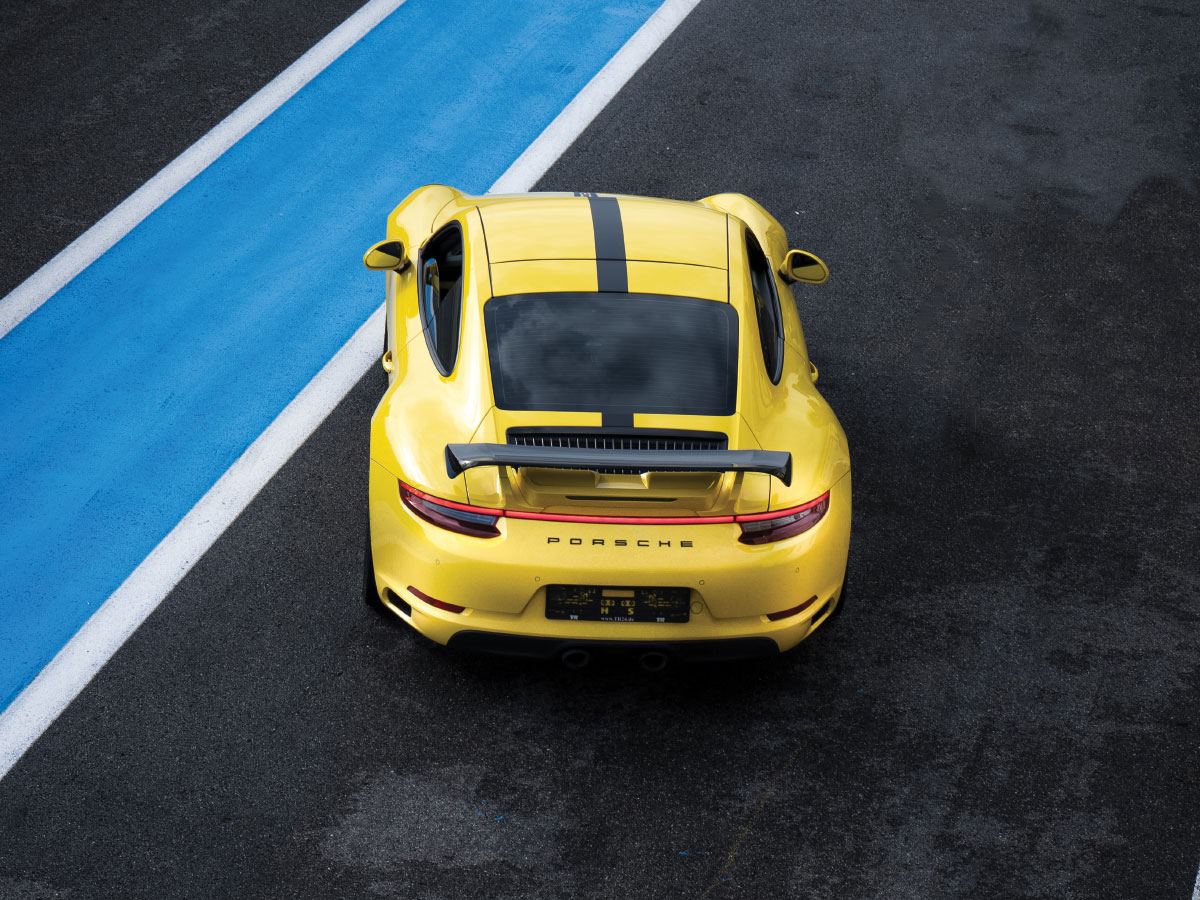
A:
(618, 603)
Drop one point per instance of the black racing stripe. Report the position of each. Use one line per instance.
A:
(612, 271)
(612, 275)
(616, 420)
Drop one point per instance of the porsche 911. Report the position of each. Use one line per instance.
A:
(601, 430)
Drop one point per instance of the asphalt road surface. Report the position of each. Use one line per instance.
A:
(1010, 705)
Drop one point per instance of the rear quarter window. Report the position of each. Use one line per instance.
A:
(766, 307)
(441, 295)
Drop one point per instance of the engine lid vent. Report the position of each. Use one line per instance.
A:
(618, 438)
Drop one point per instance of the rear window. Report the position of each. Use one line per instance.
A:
(613, 353)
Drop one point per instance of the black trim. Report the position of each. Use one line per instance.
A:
(617, 438)
(612, 269)
(460, 457)
(617, 431)
(616, 420)
(719, 650)
(397, 601)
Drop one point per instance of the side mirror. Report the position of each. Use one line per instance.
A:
(799, 265)
(386, 256)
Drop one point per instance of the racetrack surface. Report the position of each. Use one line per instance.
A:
(1007, 708)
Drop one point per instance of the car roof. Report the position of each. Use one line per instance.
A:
(662, 242)
(564, 226)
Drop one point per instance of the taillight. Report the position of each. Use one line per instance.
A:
(480, 521)
(471, 520)
(764, 528)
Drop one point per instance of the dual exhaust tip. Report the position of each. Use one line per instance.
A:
(650, 660)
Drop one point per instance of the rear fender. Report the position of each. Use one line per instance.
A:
(766, 228)
(774, 241)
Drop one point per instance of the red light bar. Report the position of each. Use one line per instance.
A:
(452, 516)
(766, 528)
(614, 520)
(619, 520)
(453, 504)
(779, 513)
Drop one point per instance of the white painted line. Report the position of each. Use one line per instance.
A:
(1196, 889)
(60, 682)
(93, 243)
(578, 114)
(129, 605)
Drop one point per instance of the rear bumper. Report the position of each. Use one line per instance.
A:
(533, 636)
(502, 581)
(553, 648)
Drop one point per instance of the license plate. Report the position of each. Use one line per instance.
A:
(590, 603)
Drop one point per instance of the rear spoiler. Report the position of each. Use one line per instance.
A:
(460, 457)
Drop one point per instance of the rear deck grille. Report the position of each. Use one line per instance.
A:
(612, 439)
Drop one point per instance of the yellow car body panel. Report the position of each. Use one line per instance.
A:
(527, 275)
(553, 245)
(562, 229)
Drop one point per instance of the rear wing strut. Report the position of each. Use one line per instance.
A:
(460, 457)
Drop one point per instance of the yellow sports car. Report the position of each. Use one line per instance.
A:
(601, 430)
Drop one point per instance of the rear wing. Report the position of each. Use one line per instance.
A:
(460, 457)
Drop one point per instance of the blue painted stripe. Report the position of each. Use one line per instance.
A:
(127, 395)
